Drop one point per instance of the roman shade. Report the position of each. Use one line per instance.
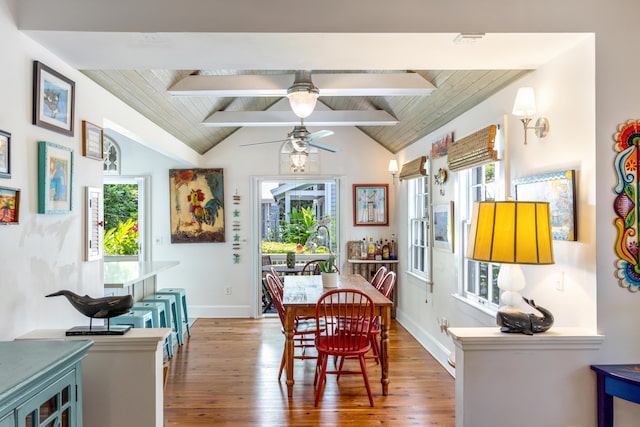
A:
(414, 168)
(473, 150)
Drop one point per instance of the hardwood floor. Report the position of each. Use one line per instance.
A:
(227, 374)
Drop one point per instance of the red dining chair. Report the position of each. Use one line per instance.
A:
(386, 288)
(377, 278)
(312, 268)
(355, 308)
(304, 330)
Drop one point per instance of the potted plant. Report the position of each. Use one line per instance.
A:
(328, 272)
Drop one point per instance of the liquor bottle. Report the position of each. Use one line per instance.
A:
(385, 249)
(378, 256)
(371, 251)
(393, 248)
(363, 248)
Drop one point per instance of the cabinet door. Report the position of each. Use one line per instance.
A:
(55, 405)
(8, 421)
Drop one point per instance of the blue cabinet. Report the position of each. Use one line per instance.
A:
(41, 383)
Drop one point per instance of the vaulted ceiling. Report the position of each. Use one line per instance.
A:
(139, 56)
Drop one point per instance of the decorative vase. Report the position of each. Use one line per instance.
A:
(329, 280)
(291, 259)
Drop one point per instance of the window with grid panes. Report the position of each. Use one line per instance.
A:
(480, 279)
(419, 219)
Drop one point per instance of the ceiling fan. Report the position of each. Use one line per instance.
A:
(301, 139)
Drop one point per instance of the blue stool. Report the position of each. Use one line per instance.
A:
(159, 317)
(181, 294)
(171, 308)
(137, 319)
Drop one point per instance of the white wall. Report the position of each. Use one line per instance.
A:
(564, 99)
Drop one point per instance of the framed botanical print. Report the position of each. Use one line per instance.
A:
(370, 204)
(55, 178)
(92, 141)
(5, 154)
(53, 99)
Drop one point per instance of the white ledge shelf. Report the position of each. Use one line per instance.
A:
(556, 338)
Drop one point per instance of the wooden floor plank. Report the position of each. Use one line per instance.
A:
(227, 374)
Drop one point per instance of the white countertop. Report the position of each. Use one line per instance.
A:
(121, 274)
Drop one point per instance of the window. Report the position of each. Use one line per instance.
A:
(111, 164)
(419, 227)
(479, 279)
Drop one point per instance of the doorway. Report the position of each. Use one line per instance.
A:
(295, 215)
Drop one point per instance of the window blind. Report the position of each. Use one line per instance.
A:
(473, 150)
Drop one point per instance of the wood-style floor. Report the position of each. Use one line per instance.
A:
(227, 374)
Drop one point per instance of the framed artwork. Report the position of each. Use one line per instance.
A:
(55, 178)
(440, 147)
(557, 188)
(370, 204)
(92, 141)
(443, 226)
(197, 205)
(53, 99)
(5, 154)
(9, 206)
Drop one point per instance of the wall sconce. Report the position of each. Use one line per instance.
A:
(393, 168)
(525, 107)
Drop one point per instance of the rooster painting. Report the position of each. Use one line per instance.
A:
(197, 205)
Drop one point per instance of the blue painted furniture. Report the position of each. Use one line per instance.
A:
(137, 319)
(41, 383)
(621, 381)
(159, 320)
(181, 297)
(171, 308)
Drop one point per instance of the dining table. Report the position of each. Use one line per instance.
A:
(301, 293)
(283, 269)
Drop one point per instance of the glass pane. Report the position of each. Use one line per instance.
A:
(472, 278)
(495, 296)
(28, 420)
(66, 417)
(48, 408)
(489, 173)
(483, 292)
(120, 219)
(65, 396)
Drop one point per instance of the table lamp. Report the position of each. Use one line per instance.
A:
(512, 233)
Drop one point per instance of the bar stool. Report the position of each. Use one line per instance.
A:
(181, 295)
(136, 319)
(159, 317)
(172, 308)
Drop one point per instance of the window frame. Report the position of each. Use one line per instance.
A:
(419, 210)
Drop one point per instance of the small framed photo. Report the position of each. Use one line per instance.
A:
(5, 154)
(370, 204)
(55, 178)
(53, 99)
(9, 206)
(92, 140)
(443, 226)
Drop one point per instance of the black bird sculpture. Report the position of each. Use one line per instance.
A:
(98, 308)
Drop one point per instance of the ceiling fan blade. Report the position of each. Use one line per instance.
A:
(265, 142)
(323, 146)
(319, 134)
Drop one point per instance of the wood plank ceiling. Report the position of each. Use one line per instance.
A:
(182, 116)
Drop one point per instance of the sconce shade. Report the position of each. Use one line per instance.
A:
(511, 232)
(393, 166)
(525, 103)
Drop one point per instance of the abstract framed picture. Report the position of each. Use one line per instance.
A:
(5, 154)
(370, 204)
(557, 188)
(92, 141)
(53, 99)
(9, 206)
(196, 205)
(55, 178)
(443, 226)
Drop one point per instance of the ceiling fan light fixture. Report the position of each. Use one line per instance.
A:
(303, 95)
(298, 160)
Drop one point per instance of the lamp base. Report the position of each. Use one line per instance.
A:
(517, 322)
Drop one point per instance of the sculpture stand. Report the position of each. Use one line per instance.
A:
(98, 330)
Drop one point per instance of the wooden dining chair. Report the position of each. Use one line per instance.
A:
(386, 288)
(352, 307)
(304, 330)
(312, 268)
